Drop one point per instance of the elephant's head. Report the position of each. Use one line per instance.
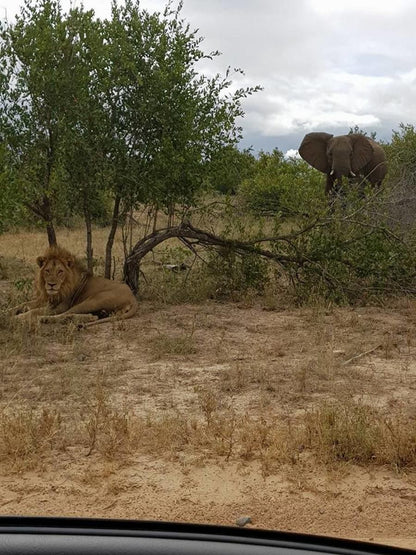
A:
(344, 155)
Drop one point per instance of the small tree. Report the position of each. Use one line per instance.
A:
(169, 119)
(85, 164)
(36, 88)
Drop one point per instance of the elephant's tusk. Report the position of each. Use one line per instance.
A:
(352, 174)
(332, 172)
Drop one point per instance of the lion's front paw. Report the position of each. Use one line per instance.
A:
(25, 320)
(24, 317)
(21, 316)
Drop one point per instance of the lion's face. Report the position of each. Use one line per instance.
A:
(58, 275)
(54, 273)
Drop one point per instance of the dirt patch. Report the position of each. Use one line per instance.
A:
(181, 364)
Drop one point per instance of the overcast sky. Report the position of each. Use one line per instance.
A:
(324, 64)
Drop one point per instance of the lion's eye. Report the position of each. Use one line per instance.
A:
(60, 272)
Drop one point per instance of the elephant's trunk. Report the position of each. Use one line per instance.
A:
(341, 171)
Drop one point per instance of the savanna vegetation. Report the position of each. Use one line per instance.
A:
(115, 123)
(120, 144)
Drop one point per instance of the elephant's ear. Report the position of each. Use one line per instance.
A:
(362, 151)
(313, 150)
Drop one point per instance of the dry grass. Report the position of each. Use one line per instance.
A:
(330, 434)
(28, 438)
(163, 344)
(249, 382)
(361, 434)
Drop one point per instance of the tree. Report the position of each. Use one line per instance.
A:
(85, 164)
(11, 209)
(116, 108)
(229, 167)
(402, 154)
(169, 120)
(357, 129)
(36, 87)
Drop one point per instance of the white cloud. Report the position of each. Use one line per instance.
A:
(292, 153)
(360, 6)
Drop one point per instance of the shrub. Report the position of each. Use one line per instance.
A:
(401, 154)
(289, 187)
(235, 274)
(353, 254)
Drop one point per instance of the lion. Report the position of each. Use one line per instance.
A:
(65, 290)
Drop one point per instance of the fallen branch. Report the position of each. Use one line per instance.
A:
(356, 357)
(201, 237)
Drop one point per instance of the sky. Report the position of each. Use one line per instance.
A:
(324, 65)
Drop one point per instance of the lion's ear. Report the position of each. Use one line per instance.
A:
(40, 261)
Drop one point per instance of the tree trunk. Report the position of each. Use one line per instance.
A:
(171, 214)
(46, 201)
(47, 216)
(50, 230)
(88, 227)
(155, 219)
(43, 211)
(131, 273)
(111, 236)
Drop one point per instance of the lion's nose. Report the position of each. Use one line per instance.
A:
(51, 285)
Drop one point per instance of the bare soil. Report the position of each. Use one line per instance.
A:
(165, 362)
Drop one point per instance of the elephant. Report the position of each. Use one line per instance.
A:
(345, 155)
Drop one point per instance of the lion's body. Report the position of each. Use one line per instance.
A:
(65, 290)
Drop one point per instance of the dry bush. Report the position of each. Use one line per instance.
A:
(272, 441)
(109, 431)
(329, 434)
(16, 338)
(398, 447)
(358, 433)
(167, 435)
(343, 432)
(209, 403)
(219, 435)
(15, 269)
(168, 287)
(234, 379)
(27, 436)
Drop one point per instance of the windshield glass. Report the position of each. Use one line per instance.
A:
(207, 263)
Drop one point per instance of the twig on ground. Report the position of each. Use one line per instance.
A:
(361, 354)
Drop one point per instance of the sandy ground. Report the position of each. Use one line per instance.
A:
(262, 362)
